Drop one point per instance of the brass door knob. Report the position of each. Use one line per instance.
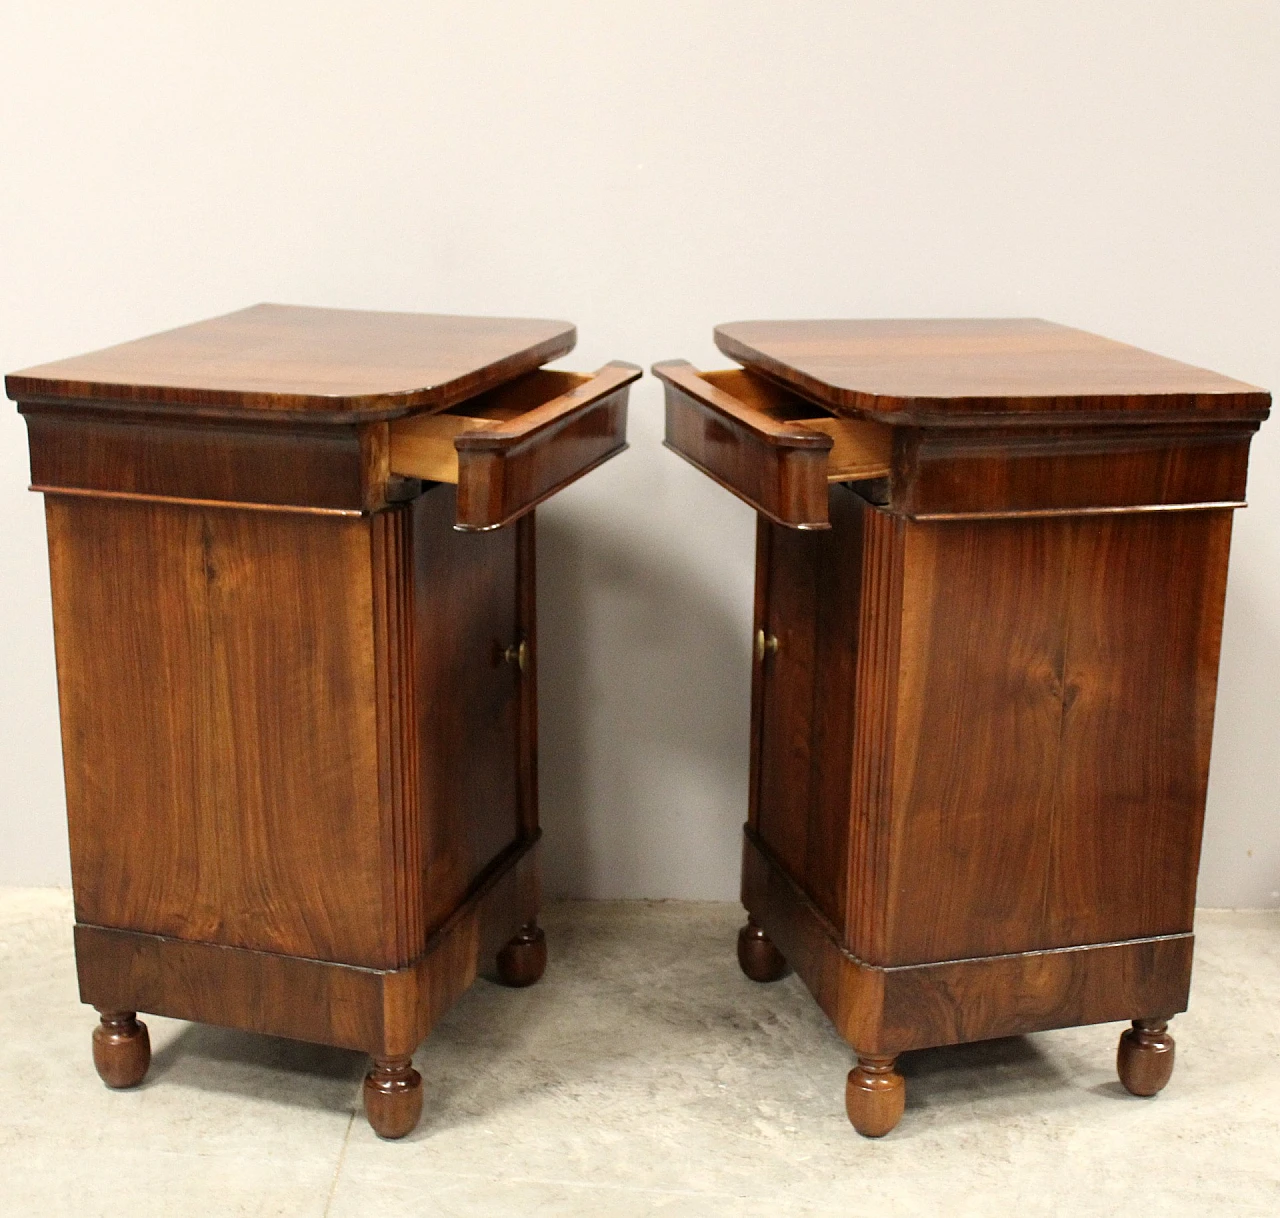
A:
(517, 654)
(766, 645)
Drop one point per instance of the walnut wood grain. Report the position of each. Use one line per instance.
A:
(288, 358)
(982, 713)
(957, 473)
(298, 705)
(802, 784)
(1053, 716)
(244, 462)
(518, 445)
(211, 660)
(765, 445)
(886, 1011)
(384, 1012)
(121, 1049)
(469, 742)
(875, 1096)
(1145, 1057)
(393, 1097)
(959, 371)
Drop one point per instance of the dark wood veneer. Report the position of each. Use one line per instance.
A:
(298, 703)
(290, 358)
(964, 371)
(983, 693)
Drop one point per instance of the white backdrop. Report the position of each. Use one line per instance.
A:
(648, 168)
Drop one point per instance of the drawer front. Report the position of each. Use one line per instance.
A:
(510, 449)
(756, 441)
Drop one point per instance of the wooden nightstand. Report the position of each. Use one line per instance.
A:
(990, 570)
(292, 558)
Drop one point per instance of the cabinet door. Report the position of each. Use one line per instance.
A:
(807, 617)
(474, 701)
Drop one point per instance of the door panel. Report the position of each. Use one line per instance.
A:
(807, 698)
(468, 697)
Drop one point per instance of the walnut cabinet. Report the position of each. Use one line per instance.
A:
(292, 560)
(990, 567)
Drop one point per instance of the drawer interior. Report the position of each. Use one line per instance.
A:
(860, 450)
(422, 445)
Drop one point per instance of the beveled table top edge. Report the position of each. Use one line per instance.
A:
(55, 384)
(1207, 395)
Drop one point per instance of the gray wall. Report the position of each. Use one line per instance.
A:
(648, 169)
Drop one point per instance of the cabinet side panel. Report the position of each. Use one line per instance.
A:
(1145, 623)
(131, 639)
(1055, 715)
(469, 711)
(216, 674)
(977, 738)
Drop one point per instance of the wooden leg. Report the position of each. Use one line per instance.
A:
(121, 1049)
(757, 957)
(524, 958)
(874, 1096)
(393, 1096)
(1144, 1060)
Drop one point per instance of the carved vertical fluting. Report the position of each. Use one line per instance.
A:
(875, 688)
(397, 732)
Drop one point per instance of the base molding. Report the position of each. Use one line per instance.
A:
(886, 1011)
(386, 1013)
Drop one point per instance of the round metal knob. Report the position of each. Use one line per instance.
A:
(766, 645)
(517, 654)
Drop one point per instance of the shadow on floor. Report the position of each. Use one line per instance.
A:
(227, 1061)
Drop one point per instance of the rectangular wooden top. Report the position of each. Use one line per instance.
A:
(957, 371)
(321, 361)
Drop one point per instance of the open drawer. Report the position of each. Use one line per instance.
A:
(510, 448)
(770, 447)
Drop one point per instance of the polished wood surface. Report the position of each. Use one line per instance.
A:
(517, 446)
(256, 463)
(983, 695)
(875, 1096)
(887, 1010)
(240, 654)
(292, 358)
(961, 473)
(121, 1049)
(1058, 779)
(1144, 1059)
(774, 450)
(377, 1011)
(523, 960)
(297, 675)
(757, 956)
(393, 1096)
(962, 369)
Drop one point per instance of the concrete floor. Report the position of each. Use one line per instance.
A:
(644, 1075)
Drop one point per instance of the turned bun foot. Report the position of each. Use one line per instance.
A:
(1144, 1060)
(757, 957)
(121, 1049)
(393, 1096)
(524, 958)
(874, 1096)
